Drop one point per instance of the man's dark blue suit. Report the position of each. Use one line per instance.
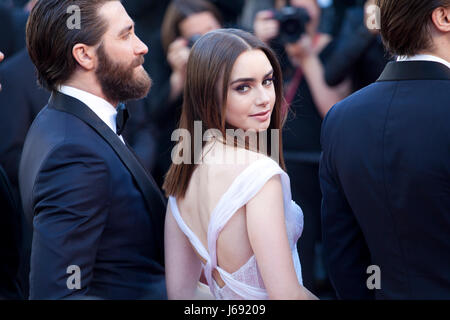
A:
(92, 205)
(385, 178)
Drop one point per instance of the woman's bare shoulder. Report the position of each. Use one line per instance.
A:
(229, 161)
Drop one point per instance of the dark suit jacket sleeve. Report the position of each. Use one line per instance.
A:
(20, 101)
(346, 253)
(71, 199)
(14, 123)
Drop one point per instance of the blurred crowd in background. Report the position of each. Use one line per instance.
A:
(326, 52)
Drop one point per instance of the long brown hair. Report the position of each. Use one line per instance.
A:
(205, 95)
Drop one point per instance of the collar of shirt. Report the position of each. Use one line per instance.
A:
(424, 57)
(102, 108)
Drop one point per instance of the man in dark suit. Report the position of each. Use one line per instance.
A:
(9, 242)
(7, 41)
(9, 238)
(97, 215)
(20, 101)
(385, 167)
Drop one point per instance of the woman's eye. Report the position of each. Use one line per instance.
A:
(243, 88)
(268, 82)
(127, 36)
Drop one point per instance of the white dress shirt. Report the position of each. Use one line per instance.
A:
(424, 57)
(102, 108)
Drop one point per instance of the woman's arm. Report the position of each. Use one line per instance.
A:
(183, 267)
(268, 237)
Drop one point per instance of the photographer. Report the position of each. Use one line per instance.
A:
(304, 51)
(359, 41)
(183, 23)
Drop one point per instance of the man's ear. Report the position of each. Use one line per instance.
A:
(84, 55)
(441, 19)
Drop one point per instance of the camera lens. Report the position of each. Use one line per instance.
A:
(293, 22)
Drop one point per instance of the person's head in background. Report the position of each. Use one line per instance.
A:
(187, 18)
(89, 45)
(411, 27)
(184, 21)
(231, 77)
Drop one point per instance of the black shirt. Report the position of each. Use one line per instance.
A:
(301, 132)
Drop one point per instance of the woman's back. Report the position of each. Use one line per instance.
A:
(215, 207)
(208, 184)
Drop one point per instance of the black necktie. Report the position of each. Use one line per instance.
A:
(121, 118)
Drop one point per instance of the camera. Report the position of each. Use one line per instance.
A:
(293, 22)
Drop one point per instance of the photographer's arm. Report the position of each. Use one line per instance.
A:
(303, 55)
(177, 56)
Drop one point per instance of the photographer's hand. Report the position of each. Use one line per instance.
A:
(300, 50)
(265, 26)
(177, 56)
(305, 54)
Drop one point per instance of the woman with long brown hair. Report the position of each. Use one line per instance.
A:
(230, 211)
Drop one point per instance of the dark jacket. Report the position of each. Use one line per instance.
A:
(93, 206)
(385, 178)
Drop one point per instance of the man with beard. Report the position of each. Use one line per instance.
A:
(97, 215)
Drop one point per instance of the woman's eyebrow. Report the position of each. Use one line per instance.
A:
(250, 79)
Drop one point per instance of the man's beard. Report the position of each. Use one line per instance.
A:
(118, 81)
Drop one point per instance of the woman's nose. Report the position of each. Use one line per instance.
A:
(263, 97)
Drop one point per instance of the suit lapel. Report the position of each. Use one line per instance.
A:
(155, 201)
(415, 70)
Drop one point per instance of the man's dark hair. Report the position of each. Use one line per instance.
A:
(405, 24)
(50, 40)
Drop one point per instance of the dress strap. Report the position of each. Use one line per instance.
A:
(247, 184)
(195, 241)
(241, 288)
